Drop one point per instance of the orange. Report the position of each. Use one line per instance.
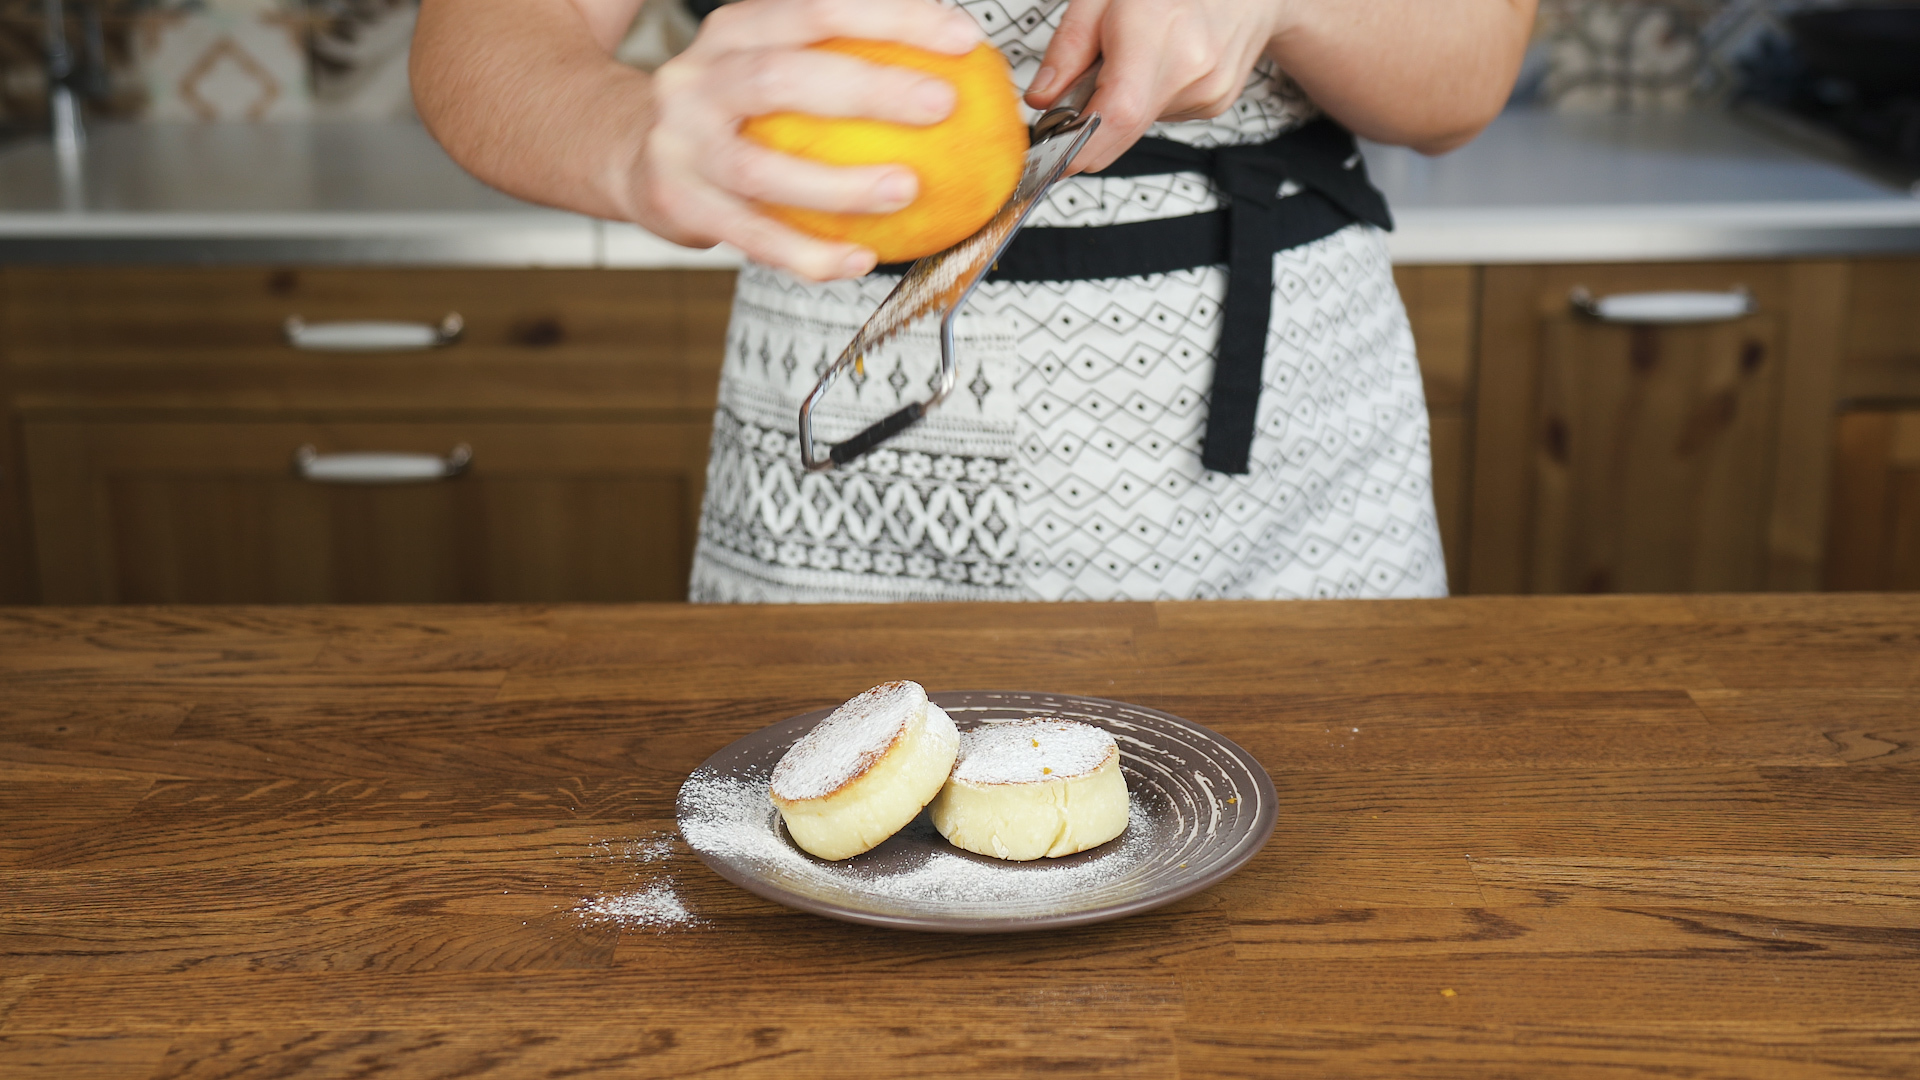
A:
(968, 163)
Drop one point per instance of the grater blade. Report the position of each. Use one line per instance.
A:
(942, 282)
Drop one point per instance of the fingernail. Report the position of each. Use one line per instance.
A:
(896, 190)
(961, 33)
(858, 264)
(1043, 82)
(934, 99)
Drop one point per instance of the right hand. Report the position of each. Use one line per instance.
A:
(694, 180)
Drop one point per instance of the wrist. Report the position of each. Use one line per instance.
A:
(615, 147)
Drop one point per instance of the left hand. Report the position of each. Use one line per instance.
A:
(1163, 60)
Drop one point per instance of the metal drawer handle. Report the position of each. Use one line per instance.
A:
(372, 336)
(379, 468)
(1664, 307)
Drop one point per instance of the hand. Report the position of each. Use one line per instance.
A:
(1163, 60)
(694, 180)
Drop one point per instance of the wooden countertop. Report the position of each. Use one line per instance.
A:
(1527, 837)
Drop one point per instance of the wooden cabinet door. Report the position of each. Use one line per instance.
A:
(1441, 308)
(1875, 538)
(1644, 457)
(190, 512)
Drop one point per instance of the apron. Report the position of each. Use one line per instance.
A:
(1080, 456)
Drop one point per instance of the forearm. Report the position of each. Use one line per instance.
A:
(1422, 73)
(526, 95)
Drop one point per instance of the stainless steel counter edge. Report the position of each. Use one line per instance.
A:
(1535, 187)
(544, 239)
(1654, 233)
(550, 239)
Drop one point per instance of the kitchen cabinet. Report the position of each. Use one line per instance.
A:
(17, 582)
(153, 414)
(1880, 354)
(1874, 523)
(1875, 520)
(1442, 307)
(1646, 457)
(160, 411)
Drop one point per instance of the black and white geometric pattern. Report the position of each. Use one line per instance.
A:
(1066, 464)
(1113, 390)
(931, 515)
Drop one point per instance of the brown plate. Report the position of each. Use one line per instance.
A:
(1202, 806)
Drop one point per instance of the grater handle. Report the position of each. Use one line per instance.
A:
(1069, 105)
(880, 432)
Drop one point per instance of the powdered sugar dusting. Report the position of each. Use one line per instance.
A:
(655, 907)
(649, 901)
(1032, 751)
(848, 742)
(729, 815)
(654, 847)
(1182, 833)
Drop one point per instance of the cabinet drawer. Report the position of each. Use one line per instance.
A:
(158, 512)
(215, 339)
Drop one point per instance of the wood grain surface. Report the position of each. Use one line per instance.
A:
(1619, 837)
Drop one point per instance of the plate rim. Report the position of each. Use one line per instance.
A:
(1243, 852)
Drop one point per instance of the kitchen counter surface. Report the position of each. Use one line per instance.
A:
(1535, 187)
(1525, 836)
(1550, 187)
(339, 192)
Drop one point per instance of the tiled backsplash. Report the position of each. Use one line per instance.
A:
(264, 59)
(214, 59)
(1641, 55)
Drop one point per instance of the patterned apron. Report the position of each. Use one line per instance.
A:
(1066, 465)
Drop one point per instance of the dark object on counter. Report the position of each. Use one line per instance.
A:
(1875, 47)
(1854, 71)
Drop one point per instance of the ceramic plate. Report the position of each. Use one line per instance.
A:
(1202, 806)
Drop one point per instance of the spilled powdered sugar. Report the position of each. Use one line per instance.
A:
(656, 906)
(1032, 751)
(848, 741)
(915, 872)
(653, 904)
(654, 847)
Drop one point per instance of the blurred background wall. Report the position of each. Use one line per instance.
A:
(297, 59)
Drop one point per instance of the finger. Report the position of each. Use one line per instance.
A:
(764, 24)
(1213, 83)
(1126, 109)
(768, 241)
(754, 172)
(827, 84)
(1073, 49)
(1203, 100)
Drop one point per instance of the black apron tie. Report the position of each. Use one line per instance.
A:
(1303, 186)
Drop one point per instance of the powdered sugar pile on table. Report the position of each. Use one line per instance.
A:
(652, 904)
(654, 907)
